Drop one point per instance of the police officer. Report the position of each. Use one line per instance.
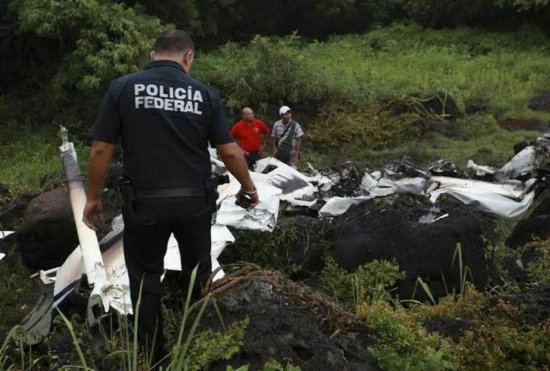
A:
(165, 120)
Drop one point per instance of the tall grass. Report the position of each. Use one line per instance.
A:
(504, 68)
(27, 157)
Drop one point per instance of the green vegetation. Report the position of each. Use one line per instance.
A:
(538, 268)
(270, 251)
(505, 69)
(14, 284)
(487, 338)
(350, 84)
(208, 347)
(371, 282)
(27, 156)
(360, 96)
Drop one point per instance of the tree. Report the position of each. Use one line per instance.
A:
(89, 43)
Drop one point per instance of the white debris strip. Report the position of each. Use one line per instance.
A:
(2, 235)
(339, 205)
(508, 200)
(481, 170)
(296, 188)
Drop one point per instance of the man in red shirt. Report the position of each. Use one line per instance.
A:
(250, 134)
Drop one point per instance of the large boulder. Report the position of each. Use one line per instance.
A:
(288, 322)
(48, 233)
(405, 228)
(11, 214)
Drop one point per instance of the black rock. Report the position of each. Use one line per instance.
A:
(48, 233)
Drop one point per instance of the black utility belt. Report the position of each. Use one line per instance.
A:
(169, 192)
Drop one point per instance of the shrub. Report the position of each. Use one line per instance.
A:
(402, 344)
(354, 129)
(208, 347)
(537, 269)
(268, 250)
(371, 281)
(268, 71)
(496, 338)
(473, 126)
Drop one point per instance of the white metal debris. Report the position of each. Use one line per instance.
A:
(339, 205)
(296, 187)
(481, 170)
(2, 235)
(263, 217)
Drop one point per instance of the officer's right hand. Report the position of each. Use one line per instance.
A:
(93, 207)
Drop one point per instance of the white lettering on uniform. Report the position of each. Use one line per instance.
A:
(169, 104)
(180, 93)
(161, 97)
(188, 106)
(197, 109)
(198, 96)
(159, 103)
(139, 101)
(138, 88)
(152, 90)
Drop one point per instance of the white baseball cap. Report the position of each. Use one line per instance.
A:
(283, 110)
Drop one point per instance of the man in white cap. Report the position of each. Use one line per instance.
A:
(287, 138)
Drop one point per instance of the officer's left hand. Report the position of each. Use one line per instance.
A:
(93, 207)
(254, 197)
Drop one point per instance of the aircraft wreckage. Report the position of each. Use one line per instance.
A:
(508, 192)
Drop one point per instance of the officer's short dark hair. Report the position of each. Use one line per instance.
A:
(173, 41)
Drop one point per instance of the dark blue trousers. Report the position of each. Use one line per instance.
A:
(146, 233)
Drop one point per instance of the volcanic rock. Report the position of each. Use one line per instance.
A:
(48, 233)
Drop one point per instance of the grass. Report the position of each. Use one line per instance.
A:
(506, 69)
(26, 158)
(493, 149)
(15, 289)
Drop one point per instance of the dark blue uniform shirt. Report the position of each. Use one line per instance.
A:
(165, 119)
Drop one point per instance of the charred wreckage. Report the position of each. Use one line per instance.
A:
(508, 192)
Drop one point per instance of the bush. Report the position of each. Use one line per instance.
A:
(400, 343)
(372, 281)
(495, 337)
(268, 250)
(208, 347)
(537, 269)
(351, 128)
(473, 126)
(268, 71)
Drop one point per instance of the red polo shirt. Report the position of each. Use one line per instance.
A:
(248, 136)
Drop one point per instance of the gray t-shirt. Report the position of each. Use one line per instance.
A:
(279, 128)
